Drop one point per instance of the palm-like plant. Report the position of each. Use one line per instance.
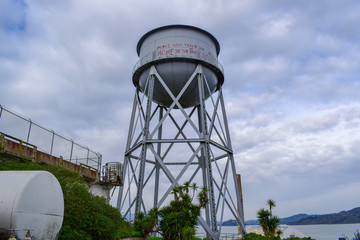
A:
(179, 219)
(146, 223)
(268, 222)
(273, 225)
(271, 203)
(263, 218)
(194, 188)
(202, 196)
(187, 187)
(175, 191)
(181, 190)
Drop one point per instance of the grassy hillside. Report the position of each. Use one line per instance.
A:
(85, 216)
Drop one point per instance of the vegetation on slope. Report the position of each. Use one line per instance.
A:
(85, 216)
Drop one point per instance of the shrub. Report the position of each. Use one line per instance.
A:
(145, 223)
(68, 233)
(88, 213)
(136, 234)
(178, 220)
(254, 236)
(188, 233)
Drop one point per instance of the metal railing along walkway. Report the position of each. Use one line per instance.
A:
(45, 142)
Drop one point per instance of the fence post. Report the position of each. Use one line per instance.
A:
(2, 143)
(87, 158)
(28, 136)
(72, 147)
(99, 164)
(52, 144)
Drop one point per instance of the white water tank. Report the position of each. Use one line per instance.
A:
(31, 200)
(175, 51)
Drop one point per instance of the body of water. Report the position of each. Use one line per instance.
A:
(318, 232)
(329, 231)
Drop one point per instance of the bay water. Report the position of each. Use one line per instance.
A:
(329, 231)
(318, 231)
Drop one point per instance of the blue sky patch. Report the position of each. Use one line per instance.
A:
(13, 15)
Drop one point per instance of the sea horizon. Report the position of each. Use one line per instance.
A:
(315, 231)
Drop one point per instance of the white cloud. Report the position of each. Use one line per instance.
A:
(299, 155)
(291, 84)
(276, 27)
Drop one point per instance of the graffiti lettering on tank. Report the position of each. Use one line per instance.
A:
(185, 50)
(208, 57)
(181, 49)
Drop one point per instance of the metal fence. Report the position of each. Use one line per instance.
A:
(47, 140)
(223, 236)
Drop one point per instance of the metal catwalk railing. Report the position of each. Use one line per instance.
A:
(47, 140)
(223, 236)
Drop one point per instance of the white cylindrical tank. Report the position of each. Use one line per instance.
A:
(175, 51)
(31, 200)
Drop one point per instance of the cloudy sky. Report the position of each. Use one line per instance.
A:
(292, 84)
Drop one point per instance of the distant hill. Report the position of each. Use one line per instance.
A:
(286, 220)
(230, 222)
(294, 218)
(351, 216)
(252, 222)
(343, 217)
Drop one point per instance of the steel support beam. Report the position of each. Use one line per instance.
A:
(149, 162)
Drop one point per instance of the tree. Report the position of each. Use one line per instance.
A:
(263, 217)
(179, 218)
(176, 191)
(194, 188)
(268, 221)
(146, 223)
(271, 203)
(187, 187)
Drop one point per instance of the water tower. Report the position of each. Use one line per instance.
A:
(178, 129)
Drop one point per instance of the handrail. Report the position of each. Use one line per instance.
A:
(49, 130)
(89, 167)
(95, 157)
(19, 151)
(7, 141)
(14, 138)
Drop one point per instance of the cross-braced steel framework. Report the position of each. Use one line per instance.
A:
(167, 146)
